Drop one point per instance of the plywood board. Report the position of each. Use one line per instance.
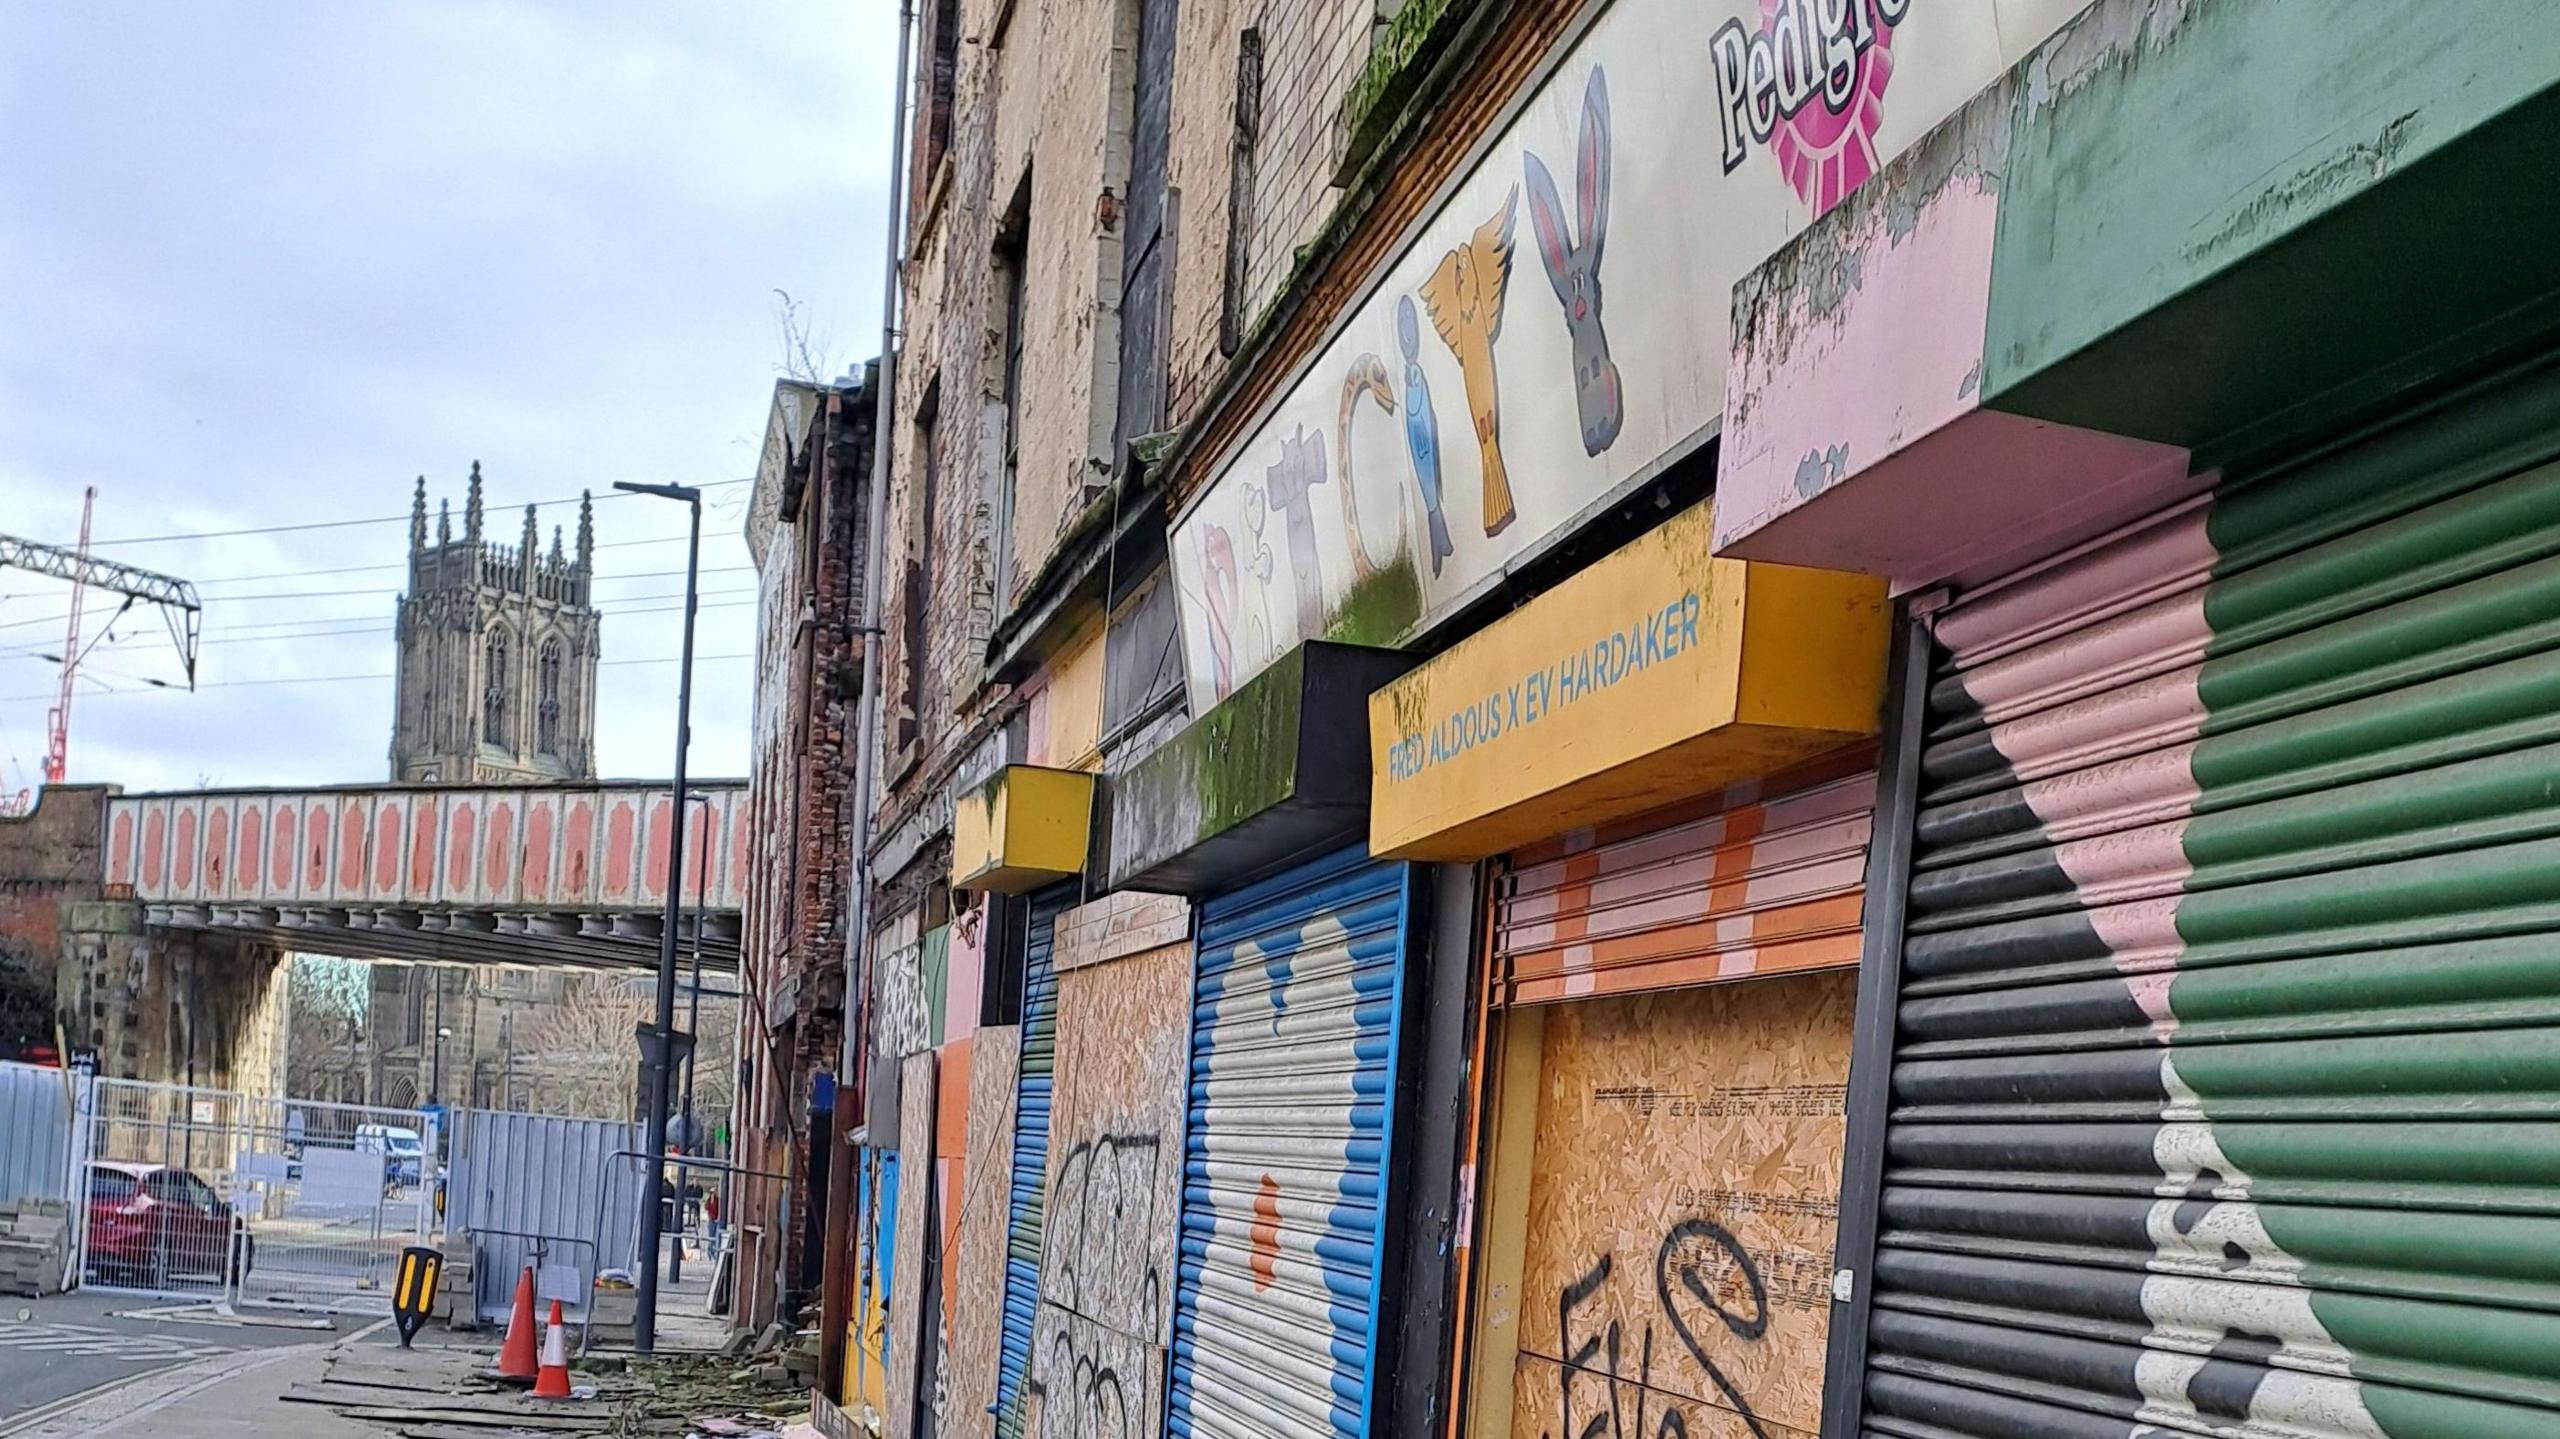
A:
(976, 1259)
(1115, 1149)
(1683, 1206)
(1120, 924)
(951, 1153)
(907, 1330)
(1091, 1381)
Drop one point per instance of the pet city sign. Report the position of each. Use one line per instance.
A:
(1456, 423)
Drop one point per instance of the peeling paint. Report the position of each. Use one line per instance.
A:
(1809, 281)
(2107, 37)
(1971, 382)
(2312, 185)
(1819, 470)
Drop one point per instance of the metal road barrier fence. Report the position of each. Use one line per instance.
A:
(210, 1193)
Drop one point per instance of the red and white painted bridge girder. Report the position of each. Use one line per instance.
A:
(530, 874)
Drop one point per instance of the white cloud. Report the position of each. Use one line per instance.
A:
(263, 263)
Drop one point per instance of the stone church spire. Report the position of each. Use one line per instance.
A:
(529, 555)
(418, 518)
(586, 533)
(471, 508)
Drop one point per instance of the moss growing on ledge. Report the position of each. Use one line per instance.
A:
(1380, 609)
(1394, 70)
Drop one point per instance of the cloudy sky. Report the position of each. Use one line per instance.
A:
(262, 264)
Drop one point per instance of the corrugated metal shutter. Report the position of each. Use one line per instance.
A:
(1030, 1150)
(1293, 1057)
(1761, 878)
(2229, 1050)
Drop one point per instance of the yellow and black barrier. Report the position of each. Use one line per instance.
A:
(421, 1270)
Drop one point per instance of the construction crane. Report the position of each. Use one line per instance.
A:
(176, 599)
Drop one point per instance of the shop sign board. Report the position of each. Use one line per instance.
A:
(1657, 672)
(1481, 400)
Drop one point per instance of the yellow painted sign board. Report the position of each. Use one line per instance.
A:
(1656, 674)
(1027, 827)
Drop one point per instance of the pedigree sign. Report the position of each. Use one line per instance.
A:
(1656, 673)
(1563, 323)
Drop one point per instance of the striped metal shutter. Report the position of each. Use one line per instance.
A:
(1762, 878)
(1030, 1150)
(1293, 1057)
(2228, 1062)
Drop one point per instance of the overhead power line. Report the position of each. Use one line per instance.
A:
(404, 564)
(343, 679)
(398, 519)
(332, 625)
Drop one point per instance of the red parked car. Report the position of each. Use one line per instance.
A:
(149, 1224)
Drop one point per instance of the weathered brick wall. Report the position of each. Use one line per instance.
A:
(1199, 168)
(48, 859)
(1311, 52)
(809, 688)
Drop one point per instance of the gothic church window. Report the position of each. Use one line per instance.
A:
(493, 695)
(547, 698)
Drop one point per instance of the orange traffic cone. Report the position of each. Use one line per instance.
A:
(515, 1358)
(553, 1382)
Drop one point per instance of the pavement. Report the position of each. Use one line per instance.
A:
(131, 1367)
(60, 1349)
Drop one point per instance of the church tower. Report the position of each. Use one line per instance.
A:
(498, 647)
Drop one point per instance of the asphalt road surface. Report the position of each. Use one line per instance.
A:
(76, 1344)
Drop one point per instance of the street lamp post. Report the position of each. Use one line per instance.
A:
(644, 1323)
(692, 1026)
(435, 1068)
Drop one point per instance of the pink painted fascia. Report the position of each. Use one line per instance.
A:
(1881, 392)
(1989, 487)
(1894, 357)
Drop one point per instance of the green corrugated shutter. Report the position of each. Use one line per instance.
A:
(2226, 1092)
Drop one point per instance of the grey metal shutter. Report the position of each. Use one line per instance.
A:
(1030, 1150)
(1293, 1063)
(2224, 1093)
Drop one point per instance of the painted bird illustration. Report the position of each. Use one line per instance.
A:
(1464, 296)
(1422, 431)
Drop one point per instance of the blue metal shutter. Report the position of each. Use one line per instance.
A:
(1293, 1059)
(1030, 1150)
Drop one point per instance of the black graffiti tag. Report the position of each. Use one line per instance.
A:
(1698, 1263)
(1078, 1378)
(1101, 1223)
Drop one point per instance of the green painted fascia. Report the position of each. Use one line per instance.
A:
(936, 964)
(2228, 221)
(1243, 754)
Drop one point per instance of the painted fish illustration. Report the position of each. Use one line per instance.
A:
(1573, 267)
(1464, 296)
(1367, 376)
(1422, 431)
(1291, 486)
(1220, 549)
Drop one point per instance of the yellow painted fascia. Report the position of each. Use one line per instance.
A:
(1784, 664)
(1026, 827)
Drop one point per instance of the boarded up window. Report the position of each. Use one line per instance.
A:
(1144, 260)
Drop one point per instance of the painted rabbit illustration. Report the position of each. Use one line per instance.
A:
(1574, 268)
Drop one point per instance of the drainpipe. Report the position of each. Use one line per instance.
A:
(834, 1303)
